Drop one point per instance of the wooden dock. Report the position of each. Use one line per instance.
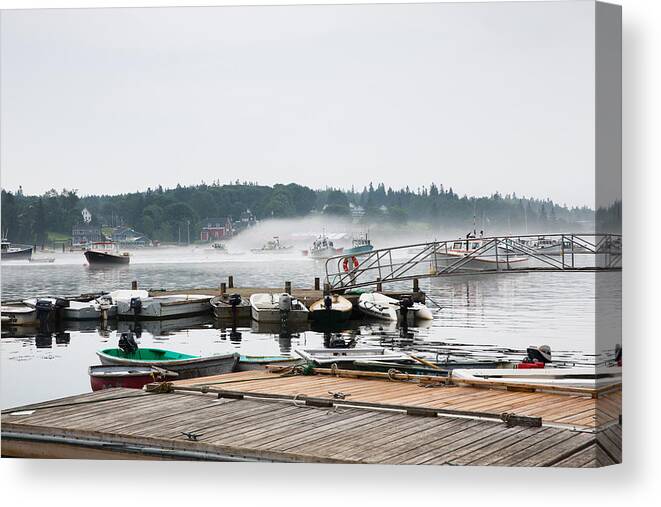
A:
(259, 416)
(306, 295)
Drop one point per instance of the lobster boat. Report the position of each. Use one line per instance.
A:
(273, 247)
(9, 252)
(359, 245)
(106, 253)
(323, 248)
(133, 377)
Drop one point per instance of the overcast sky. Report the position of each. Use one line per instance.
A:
(480, 97)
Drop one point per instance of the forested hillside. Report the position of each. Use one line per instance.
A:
(159, 213)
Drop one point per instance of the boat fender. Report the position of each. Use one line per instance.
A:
(328, 302)
(234, 300)
(345, 263)
(284, 302)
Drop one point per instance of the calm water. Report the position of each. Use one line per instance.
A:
(480, 316)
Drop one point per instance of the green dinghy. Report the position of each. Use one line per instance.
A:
(186, 365)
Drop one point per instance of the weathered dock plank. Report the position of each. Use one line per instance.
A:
(571, 410)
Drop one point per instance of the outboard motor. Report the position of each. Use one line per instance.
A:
(328, 302)
(127, 343)
(136, 305)
(44, 312)
(538, 355)
(59, 305)
(405, 305)
(284, 303)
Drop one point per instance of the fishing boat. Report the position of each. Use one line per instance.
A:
(106, 253)
(219, 247)
(230, 307)
(278, 308)
(359, 245)
(133, 377)
(273, 247)
(341, 356)
(9, 252)
(254, 363)
(185, 365)
(331, 309)
(488, 258)
(323, 248)
(101, 308)
(18, 314)
(380, 306)
(164, 307)
(414, 367)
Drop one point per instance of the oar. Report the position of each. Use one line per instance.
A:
(426, 363)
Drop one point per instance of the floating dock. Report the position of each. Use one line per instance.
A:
(265, 416)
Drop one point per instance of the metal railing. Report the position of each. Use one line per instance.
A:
(476, 255)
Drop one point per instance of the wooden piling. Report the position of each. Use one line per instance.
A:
(288, 287)
(223, 288)
(316, 283)
(134, 285)
(379, 285)
(230, 282)
(416, 285)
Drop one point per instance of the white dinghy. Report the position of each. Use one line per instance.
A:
(276, 308)
(101, 308)
(164, 307)
(380, 306)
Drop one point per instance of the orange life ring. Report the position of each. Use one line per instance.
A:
(345, 263)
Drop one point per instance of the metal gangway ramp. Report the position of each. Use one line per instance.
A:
(476, 255)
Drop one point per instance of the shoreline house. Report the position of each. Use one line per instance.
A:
(129, 238)
(215, 229)
(85, 233)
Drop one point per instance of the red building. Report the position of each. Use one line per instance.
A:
(214, 229)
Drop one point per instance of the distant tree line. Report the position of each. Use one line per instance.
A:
(161, 213)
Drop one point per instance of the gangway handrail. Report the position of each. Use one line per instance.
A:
(505, 253)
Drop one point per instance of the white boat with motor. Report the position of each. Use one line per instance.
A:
(164, 307)
(349, 355)
(101, 308)
(18, 314)
(268, 307)
(380, 306)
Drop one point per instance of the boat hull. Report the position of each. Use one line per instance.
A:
(186, 368)
(483, 263)
(19, 315)
(224, 311)
(358, 250)
(275, 317)
(108, 377)
(21, 254)
(256, 363)
(157, 308)
(106, 259)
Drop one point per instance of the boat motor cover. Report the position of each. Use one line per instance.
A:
(284, 302)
